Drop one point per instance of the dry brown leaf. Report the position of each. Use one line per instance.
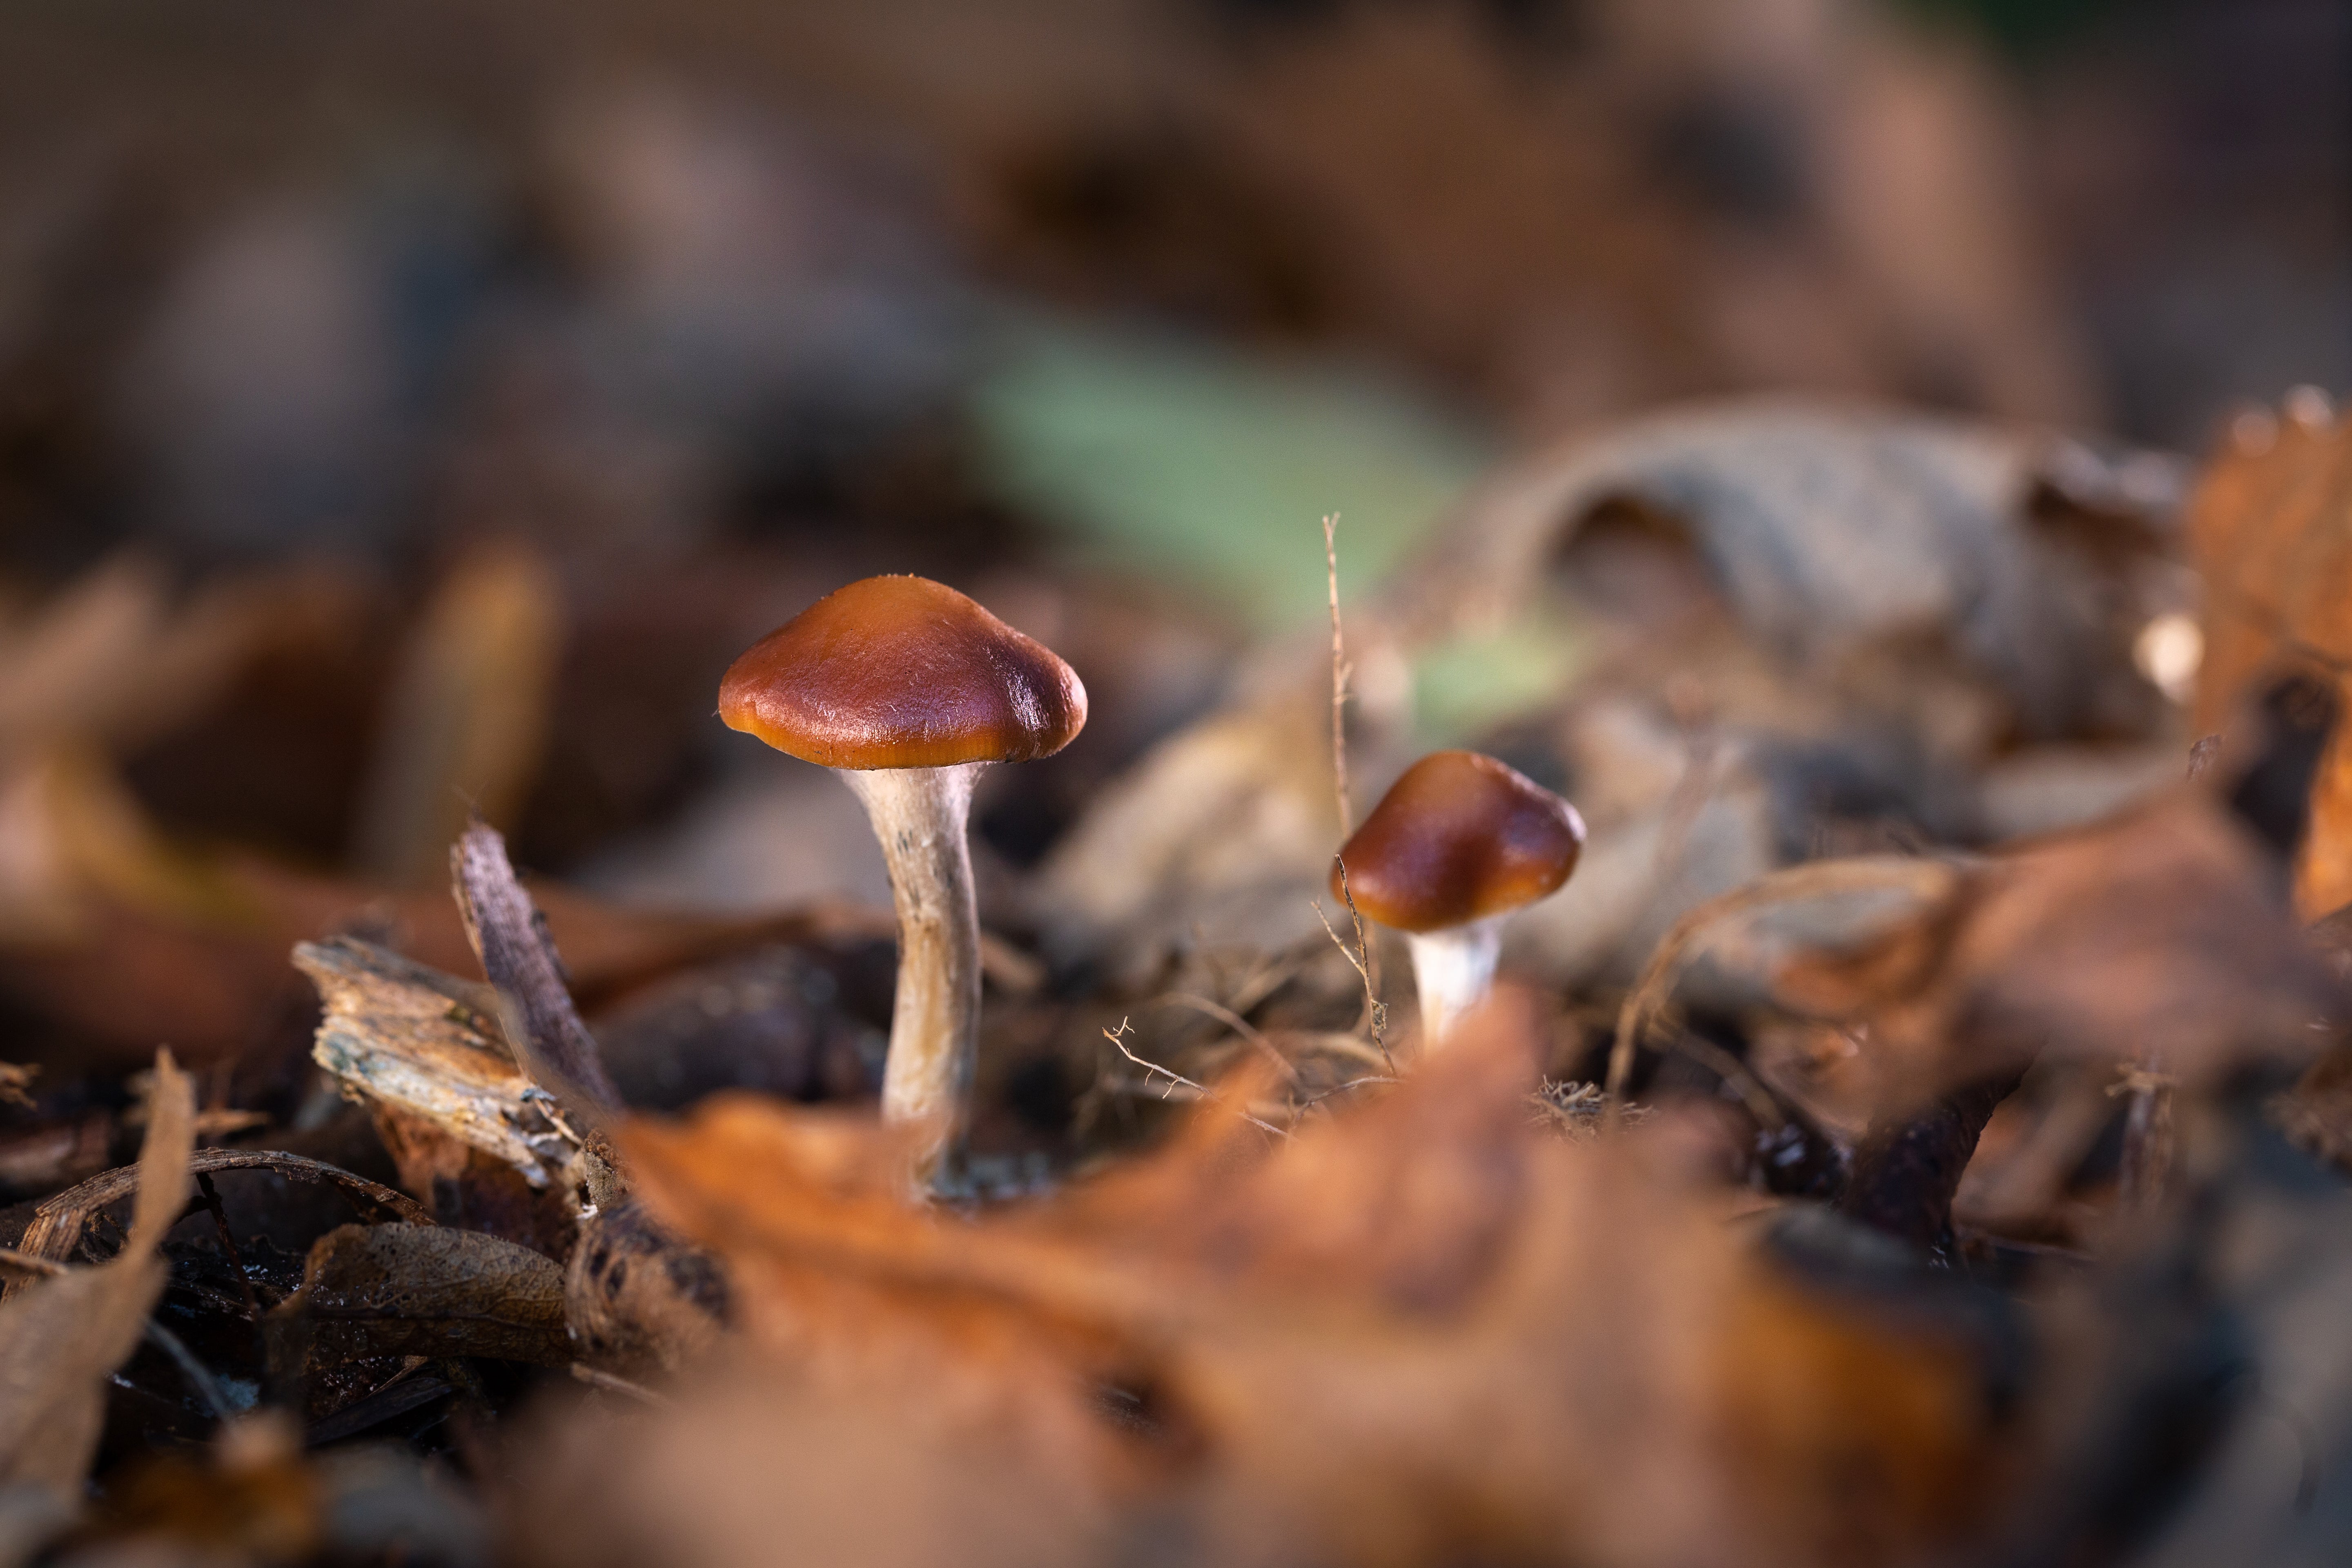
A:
(1870, 563)
(112, 658)
(58, 1221)
(61, 1336)
(1421, 1329)
(417, 1290)
(125, 938)
(2153, 939)
(2269, 527)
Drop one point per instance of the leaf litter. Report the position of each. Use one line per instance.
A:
(1845, 1177)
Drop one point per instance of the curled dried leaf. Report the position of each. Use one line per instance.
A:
(413, 1290)
(2154, 936)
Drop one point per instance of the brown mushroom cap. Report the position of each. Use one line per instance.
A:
(902, 672)
(1459, 837)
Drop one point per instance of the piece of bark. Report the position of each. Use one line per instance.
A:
(471, 1189)
(550, 1042)
(398, 1034)
(409, 1290)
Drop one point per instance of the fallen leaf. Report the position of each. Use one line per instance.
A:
(2155, 939)
(2267, 527)
(1420, 1328)
(62, 1335)
(430, 1290)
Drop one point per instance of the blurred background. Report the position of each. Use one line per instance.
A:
(411, 408)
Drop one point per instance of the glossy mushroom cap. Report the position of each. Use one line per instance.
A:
(1459, 837)
(902, 672)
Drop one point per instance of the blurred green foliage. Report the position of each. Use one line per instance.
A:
(1210, 468)
(1463, 687)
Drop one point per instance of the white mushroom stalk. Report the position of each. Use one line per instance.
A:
(1452, 970)
(920, 816)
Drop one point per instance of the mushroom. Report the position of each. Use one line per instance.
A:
(1458, 843)
(906, 689)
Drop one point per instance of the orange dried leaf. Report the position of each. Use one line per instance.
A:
(1421, 1329)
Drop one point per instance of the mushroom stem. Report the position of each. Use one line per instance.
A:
(1453, 969)
(920, 814)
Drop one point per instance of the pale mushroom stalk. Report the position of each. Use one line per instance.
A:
(920, 816)
(1452, 969)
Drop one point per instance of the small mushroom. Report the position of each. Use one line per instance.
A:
(1459, 842)
(907, 688)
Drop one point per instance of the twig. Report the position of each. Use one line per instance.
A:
(58, 1223)
(1761, 1101)
(199, 1376)
(1332, 1042)
(1376, 1013)
(2148, 1134)
(1905, 1172)
(1236, 1023)
(1339, 673)
(1177, 1080)
(12, 1258)
(609, 1383)
(211, 1199)
(550, 1042)
(1354, 1083)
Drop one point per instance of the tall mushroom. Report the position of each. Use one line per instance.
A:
(1458, 843)
(907, 688)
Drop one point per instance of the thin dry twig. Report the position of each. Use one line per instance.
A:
(2147, 1124)
(1376, 1013)
(1369, 964)
(1332, 1042)
(1761, 1101)
(2148, 1133)
(551, 1044)
(1365, 1082)
(58, 1223)
(1233, 1021)
(609, 1383)
(1178, 1080)
(1339, 673)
